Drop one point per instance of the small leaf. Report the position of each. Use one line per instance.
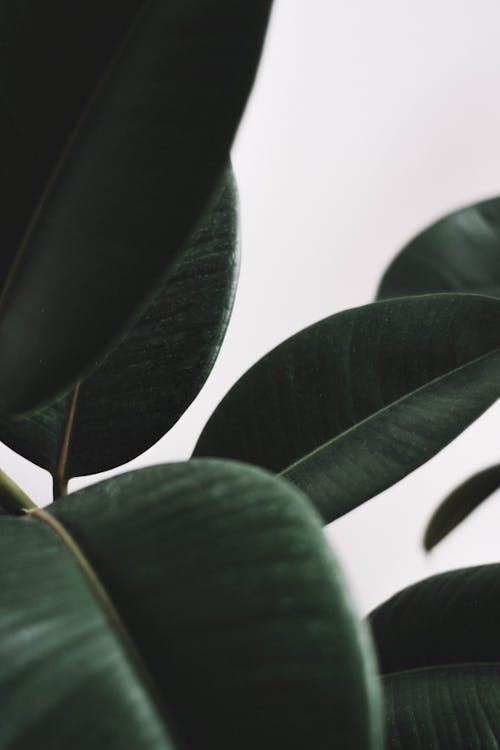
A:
(439, 654)
(119, 121)
(145, 385)
(461, 503)
(352, 404)
(226, 589)
(459, 253)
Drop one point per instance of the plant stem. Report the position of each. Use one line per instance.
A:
(60, 480)
(59, 486)
(12, 498)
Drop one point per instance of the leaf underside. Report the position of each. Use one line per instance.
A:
(143, 386)
(352, 404)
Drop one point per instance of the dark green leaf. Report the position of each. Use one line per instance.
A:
(461, 503)
(67, 679)
(117, 118)
(459, 253)
(453, 708)
(450, 618)
(229, 590)
(145, 385)
(352, 404)
(439, 653)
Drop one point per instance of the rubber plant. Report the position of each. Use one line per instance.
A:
(197, 604)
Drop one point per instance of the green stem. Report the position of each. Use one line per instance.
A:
(12, 498)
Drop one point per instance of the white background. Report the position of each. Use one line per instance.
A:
(367, 122)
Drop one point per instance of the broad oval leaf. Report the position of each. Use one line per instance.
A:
(460, 503)
(439, 655)
(144, 386)
(228, 590)
(459, 253)
(352, 404)
(105, 189)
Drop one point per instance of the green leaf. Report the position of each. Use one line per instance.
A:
(439, 653)
(119, 117)
(145, 385)
(226, 589)
(459, 253)
(454, 708)
(460, 504)
(67, 677)
(352, 404)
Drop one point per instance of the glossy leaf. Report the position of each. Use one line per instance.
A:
(67, 678)
(352, 404)
(145, 385)
(459, 253)
(228, 589)
(439, 653)
(460, 504)
(117, 119)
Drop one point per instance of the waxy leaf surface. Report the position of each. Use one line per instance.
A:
(352, 404)
(228, 596)
(237, 604)
(67, 679)
(143, 386)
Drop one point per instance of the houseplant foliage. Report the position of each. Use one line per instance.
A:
(458, 253)
(168, 353)
(438, 655)
(196, 604)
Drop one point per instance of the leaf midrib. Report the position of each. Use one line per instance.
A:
(451, 666)
(60, 476)
(374, 415)
(112, 616)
